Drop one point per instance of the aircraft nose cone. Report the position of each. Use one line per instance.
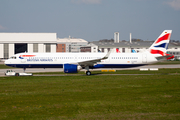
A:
(6, 62)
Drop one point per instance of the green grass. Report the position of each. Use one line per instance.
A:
(90, 97)
(2, 66)
(167, 62)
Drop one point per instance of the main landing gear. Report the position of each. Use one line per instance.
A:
(87, 72)
(24, 69)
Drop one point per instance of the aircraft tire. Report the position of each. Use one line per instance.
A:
(17, 74)
(88, 73)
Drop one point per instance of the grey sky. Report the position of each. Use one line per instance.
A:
(92, 20)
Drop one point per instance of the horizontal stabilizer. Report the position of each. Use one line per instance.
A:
(166, 57)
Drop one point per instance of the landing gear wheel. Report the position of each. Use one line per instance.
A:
(17, 74)
(88, 73)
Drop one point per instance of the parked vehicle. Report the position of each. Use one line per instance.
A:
(13, 73)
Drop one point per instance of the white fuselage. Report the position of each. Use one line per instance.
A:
(56, 60)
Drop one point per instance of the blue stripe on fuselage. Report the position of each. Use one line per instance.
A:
(36, 65)
(61, 65)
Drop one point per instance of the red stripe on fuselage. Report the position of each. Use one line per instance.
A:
(27, 55)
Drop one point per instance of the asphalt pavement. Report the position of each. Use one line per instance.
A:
(36, 70)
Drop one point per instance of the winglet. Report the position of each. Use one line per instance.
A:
(107, 55)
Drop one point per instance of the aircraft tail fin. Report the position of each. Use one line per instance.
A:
(161, 44)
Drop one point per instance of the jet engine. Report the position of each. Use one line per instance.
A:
(71, 68)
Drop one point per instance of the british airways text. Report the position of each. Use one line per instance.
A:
(37, 60)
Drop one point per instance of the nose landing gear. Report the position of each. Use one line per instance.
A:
(87, 72)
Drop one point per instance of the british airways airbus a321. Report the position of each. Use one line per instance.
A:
(74, 62)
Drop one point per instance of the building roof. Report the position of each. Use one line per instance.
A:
(28, 37)
(144, 44)
(70, 40)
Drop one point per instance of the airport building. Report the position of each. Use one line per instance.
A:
(127, 47)
(12, 43)
(92, 48)
(70, 44)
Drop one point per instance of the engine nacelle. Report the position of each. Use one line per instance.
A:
(70, 68)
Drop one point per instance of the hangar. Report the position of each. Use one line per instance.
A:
(12, 43)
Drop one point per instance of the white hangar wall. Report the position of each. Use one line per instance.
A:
(1, 50)
(12, 43)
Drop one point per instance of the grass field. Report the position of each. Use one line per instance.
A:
(167, 62)
(2, 66)
(90, 97)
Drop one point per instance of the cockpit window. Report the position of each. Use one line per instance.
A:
(13, 57)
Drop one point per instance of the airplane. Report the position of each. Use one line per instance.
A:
(74, 62)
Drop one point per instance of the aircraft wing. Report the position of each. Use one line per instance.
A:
(91, 62)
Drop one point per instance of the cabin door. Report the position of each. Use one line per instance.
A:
(144, 58)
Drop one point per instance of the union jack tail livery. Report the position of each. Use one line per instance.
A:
(160, 46)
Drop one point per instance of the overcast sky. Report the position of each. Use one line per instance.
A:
(92, 20)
